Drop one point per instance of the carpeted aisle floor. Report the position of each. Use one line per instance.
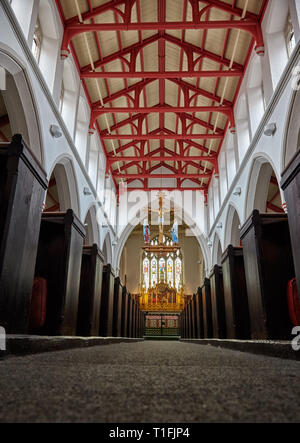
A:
(158, 382)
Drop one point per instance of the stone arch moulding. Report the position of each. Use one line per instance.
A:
(230, 226)
(291, 142)
(92, 229)
(257, 184)
(20, 102)
(67, 187)
(107, 250)
(202, 240)
(217, 251)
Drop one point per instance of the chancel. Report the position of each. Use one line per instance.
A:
(149, 212)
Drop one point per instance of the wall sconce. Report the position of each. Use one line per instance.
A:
(115, 243)
(209, 244)
(220, 225)
(104, 226)
(237, 191)
(87, 191)
(55, 131)
(270, 129)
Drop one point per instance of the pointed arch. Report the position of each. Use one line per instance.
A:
(262, 173)
(232, 227)
(20, 103)
(91, 227)
(201, 238)
(107, 249)
(67, 188)
(217, 251)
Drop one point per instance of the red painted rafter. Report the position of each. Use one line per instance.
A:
(188, 48)
(162, 109)
(251, 24)
(166, 75)
(112, 5)
(139, 176)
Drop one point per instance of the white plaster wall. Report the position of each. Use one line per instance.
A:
(13, 42)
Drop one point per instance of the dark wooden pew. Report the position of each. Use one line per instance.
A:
(124, 316)
(207, 309)
(235, 294)
(129, 316)
(199, 314)
(107, 302)
(193, 317)
(117, 311)
(217, 303)
(58, 260)
(291, 186)
(133, 317)
(268, 267)
(189, 320)
(90, 291)
(143, 324)
(22, 190)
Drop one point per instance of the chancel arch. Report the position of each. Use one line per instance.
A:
(192, 231)
(180, 269)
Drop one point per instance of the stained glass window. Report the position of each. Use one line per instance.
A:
(146, 273)
(162, 270)
(170, 272)
(157, 269)
(178, 270)
(153, 272)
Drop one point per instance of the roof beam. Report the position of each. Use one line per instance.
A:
(163, 137)
(200, 91)
(226, 110)
(112, 5)
(125, 92)
(190, 48)
(211, 159)
(248, 25)
(226, 7)
(134, 49)
(149, 176)
(167, 74)
(96, 11)
(178, 188)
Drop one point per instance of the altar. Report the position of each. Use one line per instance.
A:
(161, 298)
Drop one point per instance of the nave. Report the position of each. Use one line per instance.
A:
(149, 382)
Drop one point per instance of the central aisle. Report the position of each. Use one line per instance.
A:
(149, 381)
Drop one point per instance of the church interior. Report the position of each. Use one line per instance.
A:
(149, 211)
